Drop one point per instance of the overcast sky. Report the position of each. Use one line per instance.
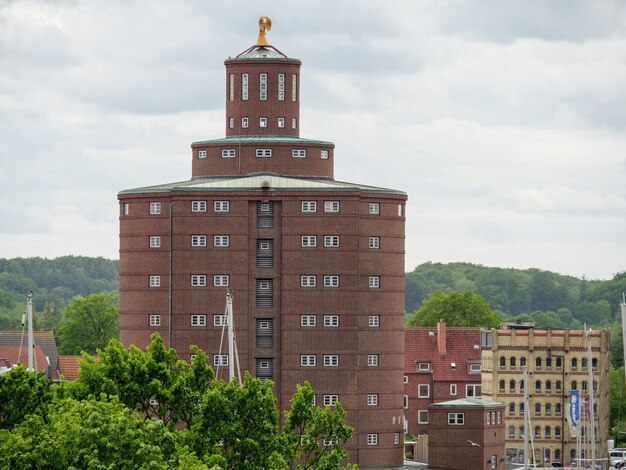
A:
(504, 121)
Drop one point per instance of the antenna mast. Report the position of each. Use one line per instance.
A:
(31, 340)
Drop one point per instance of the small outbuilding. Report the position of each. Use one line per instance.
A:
(466, 434)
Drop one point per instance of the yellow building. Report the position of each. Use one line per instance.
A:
(556, 362)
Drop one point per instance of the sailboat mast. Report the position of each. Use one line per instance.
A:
(592, 420)
(231, 336)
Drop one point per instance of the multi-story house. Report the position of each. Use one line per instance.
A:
(556, 362)
(316, 265)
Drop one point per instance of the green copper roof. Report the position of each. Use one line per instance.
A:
(251, 139)
(468, 402)
(256, 181)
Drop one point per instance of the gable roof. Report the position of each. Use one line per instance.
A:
(420, 345)
(69, 366)
(14, 355)
(43, 338)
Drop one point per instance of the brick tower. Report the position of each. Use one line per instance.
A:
(316, 266)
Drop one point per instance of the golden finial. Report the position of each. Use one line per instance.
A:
(265, 24)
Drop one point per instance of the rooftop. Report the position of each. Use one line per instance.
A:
(469, 402)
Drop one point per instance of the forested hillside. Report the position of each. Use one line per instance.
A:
(549, 299)
(54, 282)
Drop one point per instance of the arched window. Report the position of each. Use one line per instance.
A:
(557, 409)
(559, 363)
(574, 385)
(547, 432)
(557, 431)
(548, 386)
(557, 453)
(521, 385)
(574, 363)
(538, 363)
(502, 362)
(548, 409)
(538, 386)
(548, 362)
(558, 385)
(537, 408)
(521, 408)
(512, 361)
(502, 385)
(511, 431)
(583, 385)
(537, 431)
(522, 361)
(512, 385)
(521, 431)
(594, 363)
(511, 408)
(583, 363)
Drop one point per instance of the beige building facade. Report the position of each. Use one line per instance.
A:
(557, 362)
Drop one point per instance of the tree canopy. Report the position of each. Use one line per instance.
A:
(455, 309)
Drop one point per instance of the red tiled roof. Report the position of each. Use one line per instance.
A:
(419, 346)
(69, 366)
(19, 355)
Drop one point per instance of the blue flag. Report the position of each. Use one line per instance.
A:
(573, 412)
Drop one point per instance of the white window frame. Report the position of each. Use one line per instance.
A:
(473, 366)
(245, 122)
(308, 360)
(229, 153)
(201, 154)
(423, 391)
(294, 88)
(308, 281)
(198, 320)
(405, 379)
(220, 360)
(155, 208)
(220, 320)
(262, 122)
(198, 280)
(331, 207)
(221, 280)
(221, 240)
(231, 87)
(198, 206)
(331, 321)
(456, 419)
(373, 321)
(423, 366)
(308, 241)
(126, 208)
(372, 439)
(330, 400)
(396, 438)
(372, 360)
(453, 390)
(263, 153)
(308, 206)
(155, 241)
(263, 86)
(374, 243)
(400, 210)
(294, 123)
(221, 206)
(281, 87)
(331, 280)
(198, 240)
(405, 401)
(155, 319)
(154, 281)
(231, 122)
(331, 241)
(324, 154)
(374, 208)
(281, 122)
(298, 153)
(420, 416)
(244, 86)
(331, 360)
(374, 282)
(372, 399)
(308, 321)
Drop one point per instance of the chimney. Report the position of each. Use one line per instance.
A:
(441, 338)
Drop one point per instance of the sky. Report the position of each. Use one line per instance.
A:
(503, 121)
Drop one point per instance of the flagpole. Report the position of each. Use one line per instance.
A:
(591, 401)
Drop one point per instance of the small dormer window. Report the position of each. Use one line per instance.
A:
(423, 366)
(474, 368)
(453, 365)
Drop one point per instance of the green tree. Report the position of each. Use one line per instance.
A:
(455, 309)
(313, 437)
(238, 422)
(89, 323)
(92, 434)
(154, 382)
(617, 403)
(22, 393)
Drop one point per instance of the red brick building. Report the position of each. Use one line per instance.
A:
(466, 434)
(440, 364)
(316, 265)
